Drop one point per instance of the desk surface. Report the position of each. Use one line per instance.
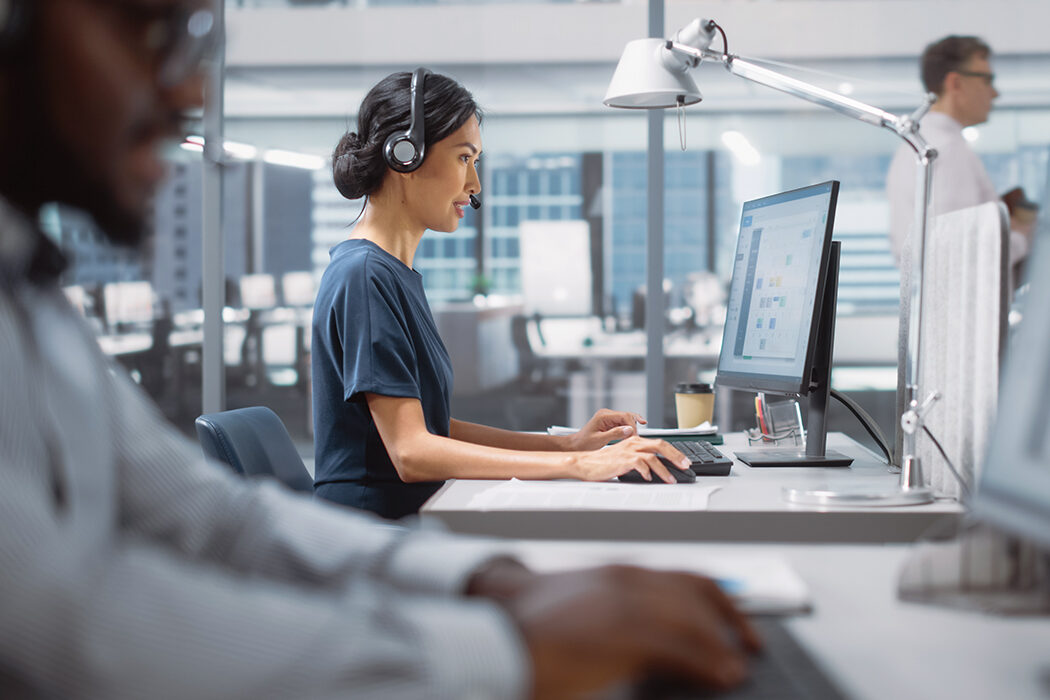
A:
(748, 507)
(871, 644)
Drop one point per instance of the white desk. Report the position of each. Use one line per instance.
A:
(748, 507)
(872, 645)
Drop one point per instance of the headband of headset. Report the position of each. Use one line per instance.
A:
(404, 150)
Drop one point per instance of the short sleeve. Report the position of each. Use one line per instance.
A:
(379, 356)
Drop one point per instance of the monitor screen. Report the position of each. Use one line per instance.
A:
(258, 292)
(774, 302)
(128, 302)
(1014, 487)
(297, 288)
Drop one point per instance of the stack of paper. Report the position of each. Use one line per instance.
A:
(760, 584)
(589, 495)
(704, 428)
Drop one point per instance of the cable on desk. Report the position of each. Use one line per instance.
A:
(963, 488)
(867, 422)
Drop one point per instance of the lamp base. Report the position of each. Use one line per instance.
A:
(865, 498)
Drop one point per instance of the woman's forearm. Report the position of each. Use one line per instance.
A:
(428, 457)
(507, 439)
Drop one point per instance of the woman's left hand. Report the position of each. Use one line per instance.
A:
(604, 427)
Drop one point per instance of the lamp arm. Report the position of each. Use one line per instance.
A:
(907, 128)
(810, 93)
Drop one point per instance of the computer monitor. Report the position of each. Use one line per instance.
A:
(127, 303)
(1014, 485)
(258, 291)
(297, 288)
(780, 316)
(556, 267)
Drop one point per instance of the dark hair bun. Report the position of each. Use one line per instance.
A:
(350, 169)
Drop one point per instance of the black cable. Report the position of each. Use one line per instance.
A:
(867, 422)
(963, 488)
(725, 44)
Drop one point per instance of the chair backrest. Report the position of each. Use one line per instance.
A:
(253, 441)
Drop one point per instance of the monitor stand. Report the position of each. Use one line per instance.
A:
(816, 453)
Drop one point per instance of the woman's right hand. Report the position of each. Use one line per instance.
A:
(633, 453)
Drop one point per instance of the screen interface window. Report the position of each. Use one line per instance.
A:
(775, 274)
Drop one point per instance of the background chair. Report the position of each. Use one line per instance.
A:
(253, 441)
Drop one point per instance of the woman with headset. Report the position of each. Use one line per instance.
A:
(385, 440)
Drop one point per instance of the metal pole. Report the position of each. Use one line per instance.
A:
(654, 250)
(213, 282)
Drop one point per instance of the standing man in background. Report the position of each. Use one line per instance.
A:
(958, 70)
(131, 568)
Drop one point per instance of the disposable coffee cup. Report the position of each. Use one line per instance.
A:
(694, 403)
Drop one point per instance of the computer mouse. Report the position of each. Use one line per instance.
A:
(682, 476)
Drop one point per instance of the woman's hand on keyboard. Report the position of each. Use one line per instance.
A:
(636, 453)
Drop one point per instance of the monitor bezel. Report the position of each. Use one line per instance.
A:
(782, 384)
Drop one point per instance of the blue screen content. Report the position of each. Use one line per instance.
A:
(776, 271)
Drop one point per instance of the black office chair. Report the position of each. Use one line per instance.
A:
(253, 441)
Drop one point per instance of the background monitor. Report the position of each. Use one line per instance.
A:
(780, 316)
(258, 292)
(127, 302)
(556, 267)
(297, 288)
(1014, 485)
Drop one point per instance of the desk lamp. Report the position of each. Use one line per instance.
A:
(654, 74)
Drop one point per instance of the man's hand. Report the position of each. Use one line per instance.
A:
(589, 629)
(604, 427)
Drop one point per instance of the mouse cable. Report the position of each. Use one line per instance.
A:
(964, 490)
(866, 421)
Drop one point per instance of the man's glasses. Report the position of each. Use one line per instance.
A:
(176, 38)
(988, 78)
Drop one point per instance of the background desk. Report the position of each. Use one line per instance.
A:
(871, 644)
(748, 508)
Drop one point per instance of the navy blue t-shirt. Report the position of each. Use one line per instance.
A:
(373, 332)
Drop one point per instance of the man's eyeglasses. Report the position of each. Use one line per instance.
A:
(988, 78)
(176, 37)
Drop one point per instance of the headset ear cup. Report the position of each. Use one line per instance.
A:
(402, 153)
(404, 150)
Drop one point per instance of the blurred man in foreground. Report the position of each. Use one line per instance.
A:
(130, 567)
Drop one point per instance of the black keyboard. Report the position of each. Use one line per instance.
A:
(704, 458)
(783, 671)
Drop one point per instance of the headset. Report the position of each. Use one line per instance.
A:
(404, 150)
(14, 22)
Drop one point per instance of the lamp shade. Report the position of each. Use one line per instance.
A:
(644, 80)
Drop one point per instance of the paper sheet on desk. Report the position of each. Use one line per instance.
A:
(760, 584)
(587, 495)
(704, 428)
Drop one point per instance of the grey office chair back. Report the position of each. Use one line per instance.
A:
(253, 441)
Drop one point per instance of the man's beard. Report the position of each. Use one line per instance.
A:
(39, 167)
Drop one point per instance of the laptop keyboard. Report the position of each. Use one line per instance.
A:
(704, 458)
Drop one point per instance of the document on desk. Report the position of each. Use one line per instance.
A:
(588, 495)
(704, 428)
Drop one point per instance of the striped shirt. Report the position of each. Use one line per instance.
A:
(130, 567)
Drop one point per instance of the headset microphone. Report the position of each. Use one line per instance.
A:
(475, 202)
